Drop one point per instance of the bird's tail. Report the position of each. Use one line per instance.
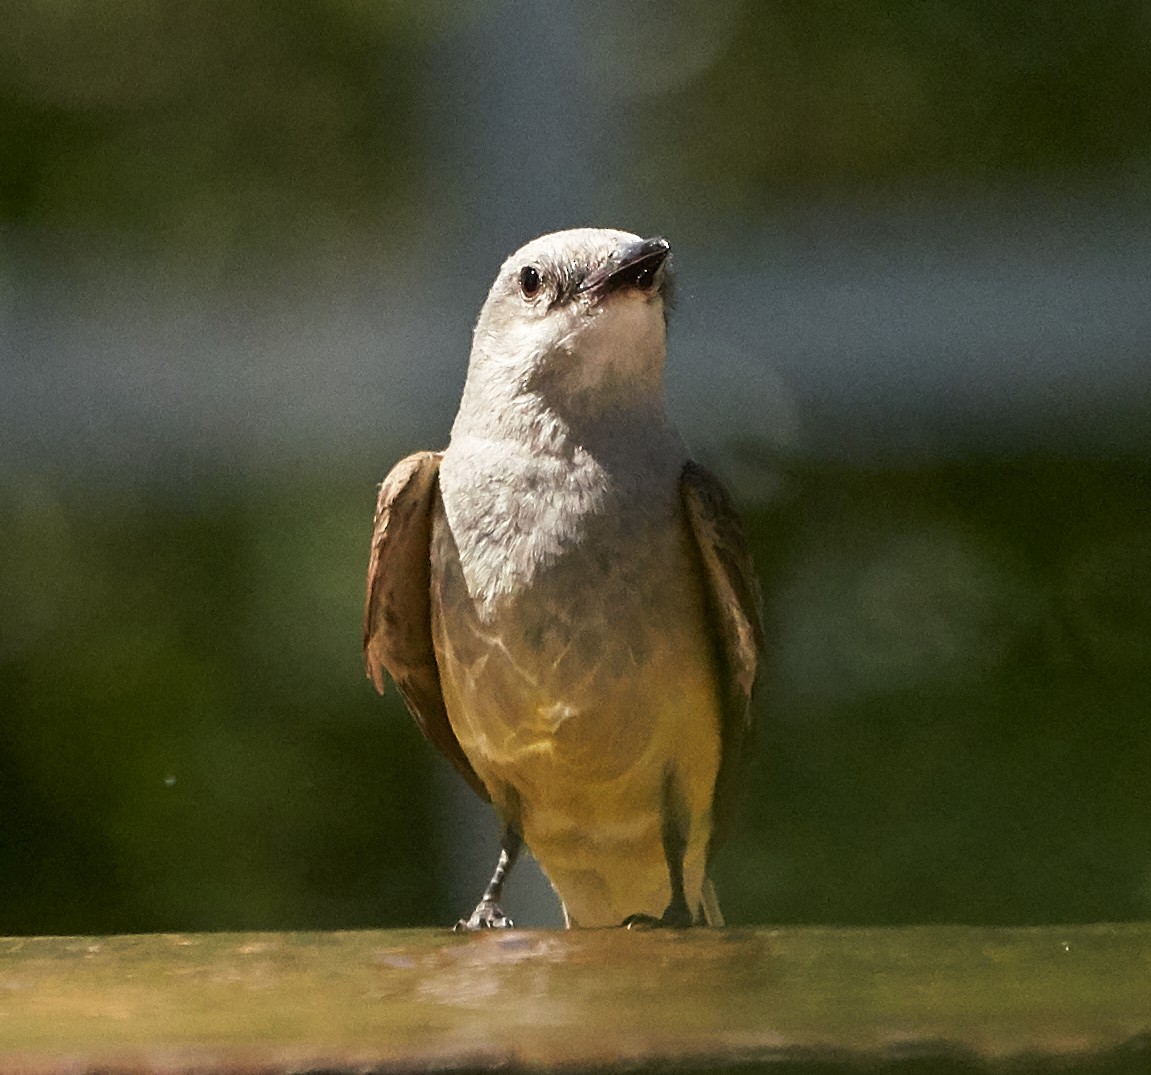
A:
(709, 904)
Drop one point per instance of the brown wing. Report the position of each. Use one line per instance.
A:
(397, 612)
(736, 612)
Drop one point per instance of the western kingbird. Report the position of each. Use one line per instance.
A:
(566, 600)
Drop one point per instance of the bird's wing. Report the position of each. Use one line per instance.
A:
(735, 607)
(397, 612)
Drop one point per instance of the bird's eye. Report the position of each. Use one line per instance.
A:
(530, 281)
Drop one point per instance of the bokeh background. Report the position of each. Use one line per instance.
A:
(241, 248)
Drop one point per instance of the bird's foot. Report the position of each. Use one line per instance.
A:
(487, 915)
(642, 921)
(673, 918)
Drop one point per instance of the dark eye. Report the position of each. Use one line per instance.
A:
(529, 281)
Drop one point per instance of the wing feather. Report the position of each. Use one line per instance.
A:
(397, 611)
(736, 609)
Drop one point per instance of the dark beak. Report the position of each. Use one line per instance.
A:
(633, 265)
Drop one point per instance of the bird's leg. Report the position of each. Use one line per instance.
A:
(677, 914)
(487, 914)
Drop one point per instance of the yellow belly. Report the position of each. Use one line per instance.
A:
(584, 777)
(576, 736)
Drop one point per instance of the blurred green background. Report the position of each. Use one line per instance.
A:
(241, 246)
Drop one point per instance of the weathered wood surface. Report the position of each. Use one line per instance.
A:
(535, 1000)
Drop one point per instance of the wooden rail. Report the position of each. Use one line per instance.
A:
(1058, 999)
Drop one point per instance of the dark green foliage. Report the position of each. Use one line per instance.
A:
(189, 740)
(223, 126)
(209, 124)
(848, 95)
(955, 725)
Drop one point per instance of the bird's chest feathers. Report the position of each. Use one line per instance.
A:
(564, 601)
(516, 517)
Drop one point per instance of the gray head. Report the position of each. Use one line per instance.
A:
(575, 319)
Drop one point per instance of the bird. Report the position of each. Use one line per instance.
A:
(567, 601)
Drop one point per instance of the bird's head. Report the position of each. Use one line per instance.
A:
(578, 319)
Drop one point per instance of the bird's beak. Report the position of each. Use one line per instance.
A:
(633, 265)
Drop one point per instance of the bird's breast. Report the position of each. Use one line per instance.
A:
(577, 647)
(519, 520)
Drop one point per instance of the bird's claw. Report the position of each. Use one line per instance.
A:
(643, 921)
(487, 915)
(673, 918)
